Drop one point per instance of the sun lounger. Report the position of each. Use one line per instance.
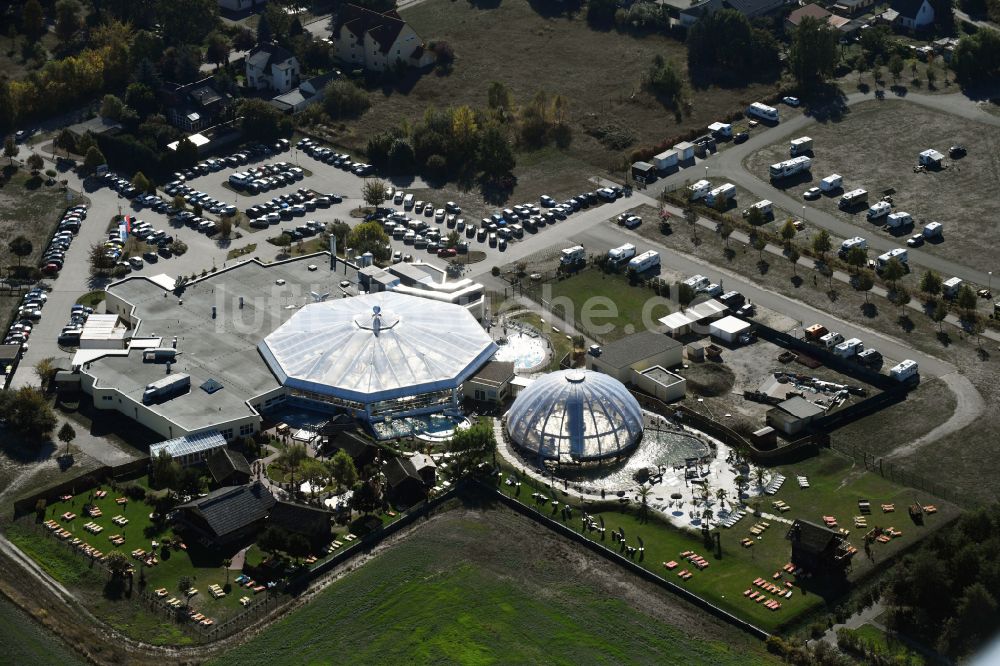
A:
(930, 508)
(121, 500)
(671, 565)
(888, 508)
(208, 622)
(883, 539)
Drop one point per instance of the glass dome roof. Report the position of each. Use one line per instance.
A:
(577, 413)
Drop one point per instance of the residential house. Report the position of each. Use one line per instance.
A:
(272, 67)
(409, 477)
(377, 41)
(308, 92)
(226, 515)
(819, 549)
(814, 10)
(749, 8)
(228, 467)
(852, 7)
(913, 14)
(195, 106)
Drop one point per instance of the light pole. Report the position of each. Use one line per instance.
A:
(989, 285)
(706, 172)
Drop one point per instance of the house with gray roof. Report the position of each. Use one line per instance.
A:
(272, 67)
(226, 515)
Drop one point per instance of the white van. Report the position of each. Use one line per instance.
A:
(831, 183)
(408, 202)
(879, 209)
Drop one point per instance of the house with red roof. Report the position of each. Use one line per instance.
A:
(377, 40)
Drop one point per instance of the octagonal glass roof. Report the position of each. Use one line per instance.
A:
(579, 413)
(377, 347)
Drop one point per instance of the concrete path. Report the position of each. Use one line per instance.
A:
(862, 617)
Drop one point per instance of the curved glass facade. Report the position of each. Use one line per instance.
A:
(577, 413)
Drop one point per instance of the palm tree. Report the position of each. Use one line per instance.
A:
(758, 474)
(226, 563)
(643, 493)
(720, 494)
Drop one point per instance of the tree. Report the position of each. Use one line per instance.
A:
(226, 563)
(453, 239)
(373, 191)
(10, 149)
(726, 46)
(370, 237)
(35, 162)
(46, 370)
(857, 258)
(495, 157)
(939, 312)
(117, 563)
(814, 52)
(33, 20)
(342, 469)
(366, 497)
(966, 299)
(759, 244)
(601, 13)
(217, 49)
(20, 247)
(66, 141)
(226, 226)
(262, 121)
(788, 232)
(895, 66)
(472, 446)
(793, 256)
(755, 217)
(141, 183)
(893, 271)
(930, 283)
(264, 35)
(112, 107)
(500, 99)
(141, 98)
(344, 99)
(66, 435)
(821, 243)
(665, 80)
(725, 231)
(100, 261)
(28, 412)
(244, 39)
(187, 21)
(166, 472)
(864, 282)
(67, 19)
(186, 153)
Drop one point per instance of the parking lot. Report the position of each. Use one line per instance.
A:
(957, 195)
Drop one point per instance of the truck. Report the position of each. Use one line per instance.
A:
(853, 199)
(899, 254)
(572, 255)
(168, 387)
(724, 192)
(763, 112)
(951, 286)
(621, 254)
(850, 243)
(831, 183)
(765, 207)
(905, 371)
(848, 348)
(790, 167)
(933, 230)
(160, 355)
(698, 190)
(879, 209)
(898, 220)
(644, 262)
(800, 146)
(732, 300)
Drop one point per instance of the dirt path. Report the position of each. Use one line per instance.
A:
(969, 405)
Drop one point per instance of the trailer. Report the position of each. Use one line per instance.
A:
(573, 255)
(790, 167)
(898, 220)
(621, 253)
(899, 254)
(168, 387)
(831, 183)
(848, 348)
(721, 130)
(685, 151)
(765, 207)
(665, 160)
(644, 262)
(697, 282)
(763, 112)
(850, 243)
(933, 230)
(853, 199)
(931, 159)
(815, 332)
(951, 286)
(905, 371)
(643, 172)
(698, 190)
(879, 209)
(800, 146)
(724, 192)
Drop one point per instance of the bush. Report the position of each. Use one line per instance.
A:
(343, 99)
(135, 492)
(178, 247)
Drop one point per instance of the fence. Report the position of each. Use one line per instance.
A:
(91, 479)
(897, 474)
(624, 562)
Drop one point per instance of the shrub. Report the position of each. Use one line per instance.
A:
(344, 99)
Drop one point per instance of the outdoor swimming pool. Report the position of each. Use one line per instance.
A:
(433, 428)
(525, 351)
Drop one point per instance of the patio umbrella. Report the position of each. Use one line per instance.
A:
(676, 496)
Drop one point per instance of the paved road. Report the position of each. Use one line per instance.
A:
(728, 164)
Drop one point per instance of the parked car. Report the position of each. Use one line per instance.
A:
(791, 101)
(740, 137)
(812, 193)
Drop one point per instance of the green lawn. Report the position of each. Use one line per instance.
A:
(465, 589)
(880, 643)
(605, 306)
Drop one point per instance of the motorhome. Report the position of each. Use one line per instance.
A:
(848, 348)
(898, 220)
(699, 190)
(765, 207)
(854, 198)
(763, 112)
(831, 183)
(644, 262)
(724, 192)
(850, 243)
(790, 167)
(572, 255)
(904, 371)
(899, 254)
(697, 282)
(879, 209)
(800, 146)
(933, 230)
(621, 254)
(831, 339)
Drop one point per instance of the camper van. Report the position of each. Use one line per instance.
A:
(848, 348)
(572, 255)
(699, 189)
(905, 371)
(879, 209)
(721, 130)
(763, 112)
(790, 167)
(765, 207)
(831, 339)
(644, 262)
(800, 146)
(853, 199)
(933, 230)
(831, 183)
(898, 220)
(697, 282)
(857, 241)
(621, 254)
(899, 254)
(725, 192)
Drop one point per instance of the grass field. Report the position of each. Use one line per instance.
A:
(465, 589)
(953, 196)
(836, 485)
(884, 644)
(26, 642)
(605, 306)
